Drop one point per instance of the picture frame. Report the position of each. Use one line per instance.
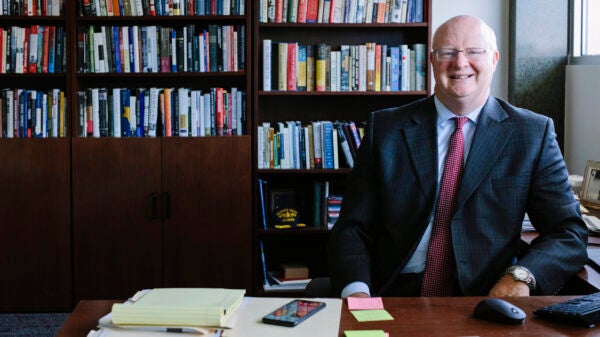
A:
(590, 190)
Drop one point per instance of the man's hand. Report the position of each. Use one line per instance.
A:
(507, 286)
(359, 294)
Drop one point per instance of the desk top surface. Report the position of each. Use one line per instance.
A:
(412, 317)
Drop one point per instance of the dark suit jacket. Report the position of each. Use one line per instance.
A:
(514, 166)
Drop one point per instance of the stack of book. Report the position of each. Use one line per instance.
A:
(206, 311)
(292, 277)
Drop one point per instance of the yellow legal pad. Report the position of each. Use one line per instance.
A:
(206, 307)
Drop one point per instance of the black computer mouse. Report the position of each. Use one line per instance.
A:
(501, 311)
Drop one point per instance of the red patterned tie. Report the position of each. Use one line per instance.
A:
(439, 269)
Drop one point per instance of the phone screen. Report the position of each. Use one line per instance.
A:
(293, 312)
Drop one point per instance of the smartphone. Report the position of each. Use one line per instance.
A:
(294, 312)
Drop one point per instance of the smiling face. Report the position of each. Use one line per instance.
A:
(463, 84)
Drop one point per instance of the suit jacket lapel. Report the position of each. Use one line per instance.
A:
(489, 140)
(421, 141)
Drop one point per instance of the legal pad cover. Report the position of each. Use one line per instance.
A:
(207, 307)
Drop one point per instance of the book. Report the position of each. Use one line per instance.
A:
(205, 307)
(285, 208)
(279, 279)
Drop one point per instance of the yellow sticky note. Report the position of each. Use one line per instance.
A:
(364, 333)
(372, 315)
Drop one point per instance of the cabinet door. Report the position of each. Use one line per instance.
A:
(35, 233)
(208, 233)
(116, 216)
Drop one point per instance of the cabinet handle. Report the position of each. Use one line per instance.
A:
(167, 205)
(154, 197)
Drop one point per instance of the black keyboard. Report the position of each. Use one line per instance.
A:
(584, 310)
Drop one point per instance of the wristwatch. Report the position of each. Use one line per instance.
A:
(522, 274)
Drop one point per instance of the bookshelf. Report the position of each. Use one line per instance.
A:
(176, 201)
(103, 215)
(35, 175)
(337, 102)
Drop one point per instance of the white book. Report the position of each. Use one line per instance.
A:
(185, 48)
(33, 42)
(336, 160)
(19, 50)
(307, 142)
(267, 54)
(55, 106)
(207, 122)
(235, 51)
(154, 58)
(240, 113)
(183, 94)
(201, 52)
(95, 114)
(226, 7)
(44, 131)
(98, 9)
(317, 144)
(234, 111)
(362, 67)
(338, 11)
(404, 67)
(194, 113)
(202, 131)
(132, 114)
(116, 117)
(136, 50)
(260, 159)
(153, 112)
(138, 7)
(55, 7)
(334, 71)
(10, 115)
(126, 51)
(369, 11)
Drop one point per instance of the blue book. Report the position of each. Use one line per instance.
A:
(139, 132)
(174, 56)
(418, 11)
(262, 186)
(38, 110)
(125, 127)
(116, 48)
(131, 50)
(327, 130)
(51, 50)
(394, 68)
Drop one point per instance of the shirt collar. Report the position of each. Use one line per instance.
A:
(444, 114)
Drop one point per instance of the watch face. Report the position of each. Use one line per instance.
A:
(520, 273)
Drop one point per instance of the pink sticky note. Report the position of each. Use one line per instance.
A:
(368, 303)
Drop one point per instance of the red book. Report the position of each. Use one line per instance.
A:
(34, 39)
(279, 10)
(26, 51)
(302, 11)
(219, 115)
(1, 52)
(292, 65)
(312, 11)
(48, 34)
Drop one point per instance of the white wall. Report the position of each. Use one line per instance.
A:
(495, 13)
(582, 116)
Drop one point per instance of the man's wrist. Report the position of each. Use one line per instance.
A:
(522, 274)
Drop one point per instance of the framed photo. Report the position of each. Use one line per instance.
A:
(590, 191)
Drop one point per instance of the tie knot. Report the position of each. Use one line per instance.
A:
(460, 122)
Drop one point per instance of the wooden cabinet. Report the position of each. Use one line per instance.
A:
(170, 212)
(35, 234)
(334, 103)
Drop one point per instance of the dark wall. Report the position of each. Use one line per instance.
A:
(539, 33)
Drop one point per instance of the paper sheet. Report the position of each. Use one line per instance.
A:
(325, 323)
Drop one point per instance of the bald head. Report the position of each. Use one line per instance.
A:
(465, 23)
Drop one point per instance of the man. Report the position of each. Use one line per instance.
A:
(511, 165)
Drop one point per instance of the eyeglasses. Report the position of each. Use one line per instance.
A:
(447, 55)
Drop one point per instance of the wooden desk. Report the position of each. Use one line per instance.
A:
(414, 317)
